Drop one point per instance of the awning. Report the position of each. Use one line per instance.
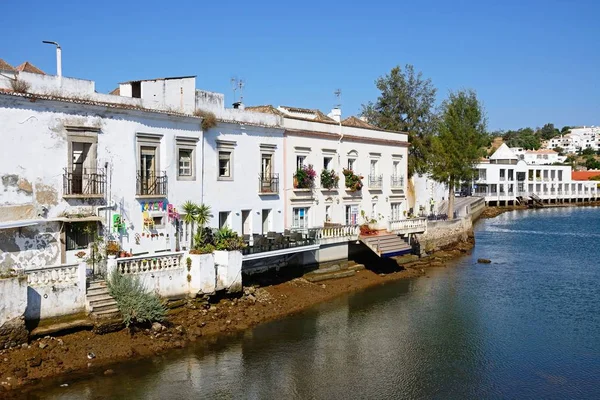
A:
(92, 218)
(21, 223)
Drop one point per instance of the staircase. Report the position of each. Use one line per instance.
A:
(536, 200)
(386, 245)
(334, 272)
(101, 304)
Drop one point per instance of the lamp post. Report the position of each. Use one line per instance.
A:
(58, 57)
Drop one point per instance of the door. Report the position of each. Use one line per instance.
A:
(246, 226)
(147, 169)
(266, 215)
(79, 165)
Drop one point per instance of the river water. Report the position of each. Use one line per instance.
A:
(525, 326)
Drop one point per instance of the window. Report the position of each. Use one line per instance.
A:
(300, 161)
(351, 164)
(224, 219)
(502, 174)
(328, 213)
(266, 220)
(186, 154)
(225, 161)
(82, 175)
(327, 162)
(185, 162)
(351, 215)
(396, 168)
(396, 213)
(300, 220)
(374, 210)
(79, 235)
(266, 165)
(158, 222)
(374, 170)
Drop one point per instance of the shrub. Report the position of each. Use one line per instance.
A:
(209, 119)
(206, 249)
(329, 179)
(353, 181)
(304, 178)
(136, 304)
(226, 239)
(113, 248)
(19, 86)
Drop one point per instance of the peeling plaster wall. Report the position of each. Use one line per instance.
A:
(29, 247)
(31, 175)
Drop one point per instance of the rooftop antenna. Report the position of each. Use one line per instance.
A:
(241, 85)
(233, 82)
(338, 96)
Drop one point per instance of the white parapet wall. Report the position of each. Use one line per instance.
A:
(228, 265)
(170, 275)
(55, 291)
(14, 298)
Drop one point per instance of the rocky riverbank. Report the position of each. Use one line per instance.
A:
(91, 353)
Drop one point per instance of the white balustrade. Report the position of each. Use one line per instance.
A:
(149, 263)
(49, 276)
(408, 225)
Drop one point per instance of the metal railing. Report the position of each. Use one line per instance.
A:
(151, 183)
(376, 181)
(91, 182)
(397, 181)
(268, 183)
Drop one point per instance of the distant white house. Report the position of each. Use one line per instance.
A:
(576, 140)
(505, 178)
(540, 157)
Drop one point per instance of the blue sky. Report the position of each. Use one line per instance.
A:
(530, 61)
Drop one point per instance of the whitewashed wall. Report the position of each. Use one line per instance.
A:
(14, 298)
(316, 148)
(35, 154)
(242, 192)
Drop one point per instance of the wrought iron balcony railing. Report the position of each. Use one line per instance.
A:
(397, 181)
(268, 183)
(151, 183)
(85, 182)
(375, 181)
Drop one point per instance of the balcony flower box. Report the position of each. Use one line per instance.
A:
(304, 178)
(353, 182)
(329, 179)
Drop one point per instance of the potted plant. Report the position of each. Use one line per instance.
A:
(353, 182)
(329, 179)
(112, 249)
(304, 177)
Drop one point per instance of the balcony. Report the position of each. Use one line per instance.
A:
(88, 183)
(375, 182)
(151, 184)
(268, 183)
(397, 182)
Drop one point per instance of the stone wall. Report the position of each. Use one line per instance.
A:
(443, 234)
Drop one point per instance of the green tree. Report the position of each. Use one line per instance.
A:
(559, 150)
(565, 129)
(588, 151)
(548, 131)
(458, 145)
(406, 104)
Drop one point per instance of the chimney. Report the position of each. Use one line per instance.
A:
(238, 105)
(336, 114)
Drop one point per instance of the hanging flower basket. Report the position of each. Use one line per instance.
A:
(304, 178)
(329, 179)
(353, 182)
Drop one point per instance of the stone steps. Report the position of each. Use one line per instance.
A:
(101, 303)
(386, 245)
(312, 277)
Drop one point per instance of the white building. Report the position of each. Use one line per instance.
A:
(577, 139)
(328, 143)
(70, 162)
(507, 179)
(539, 157)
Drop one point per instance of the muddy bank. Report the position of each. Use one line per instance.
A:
(494, 211)
(89, 353)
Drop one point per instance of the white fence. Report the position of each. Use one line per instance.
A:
(405, 226)
(336, 234)
(155, 262)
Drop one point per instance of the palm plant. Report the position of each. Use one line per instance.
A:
(190, 210)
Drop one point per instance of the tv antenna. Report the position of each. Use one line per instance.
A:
(338, 96)
(237, 84)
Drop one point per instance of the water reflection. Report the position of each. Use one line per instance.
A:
(525, 326)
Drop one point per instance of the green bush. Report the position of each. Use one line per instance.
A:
(136, 304)
(227, 239)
